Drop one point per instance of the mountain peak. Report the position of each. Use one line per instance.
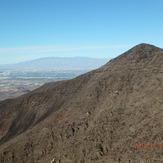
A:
(144, 47)
(141, 53)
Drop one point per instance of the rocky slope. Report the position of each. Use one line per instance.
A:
(112, 114)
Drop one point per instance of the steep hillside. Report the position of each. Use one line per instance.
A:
(112, 114)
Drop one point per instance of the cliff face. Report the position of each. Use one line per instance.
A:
(113, 113)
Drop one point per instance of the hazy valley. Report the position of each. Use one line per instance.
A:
(18, 79)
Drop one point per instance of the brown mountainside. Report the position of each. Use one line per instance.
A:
(112, 114)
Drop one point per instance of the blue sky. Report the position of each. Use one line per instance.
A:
(31, 29)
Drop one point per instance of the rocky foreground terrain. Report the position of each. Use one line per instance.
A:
(112, 114)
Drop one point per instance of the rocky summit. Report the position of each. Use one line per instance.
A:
(113, 114)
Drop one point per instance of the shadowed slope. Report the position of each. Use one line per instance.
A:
(98, 116)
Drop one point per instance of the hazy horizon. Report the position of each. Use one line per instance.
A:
(79, 57)
(69, 52)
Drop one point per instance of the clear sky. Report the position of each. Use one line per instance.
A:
(32, 29)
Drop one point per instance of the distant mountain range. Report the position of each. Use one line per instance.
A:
(57, 63)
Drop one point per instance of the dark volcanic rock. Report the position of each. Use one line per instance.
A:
(112, 114)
